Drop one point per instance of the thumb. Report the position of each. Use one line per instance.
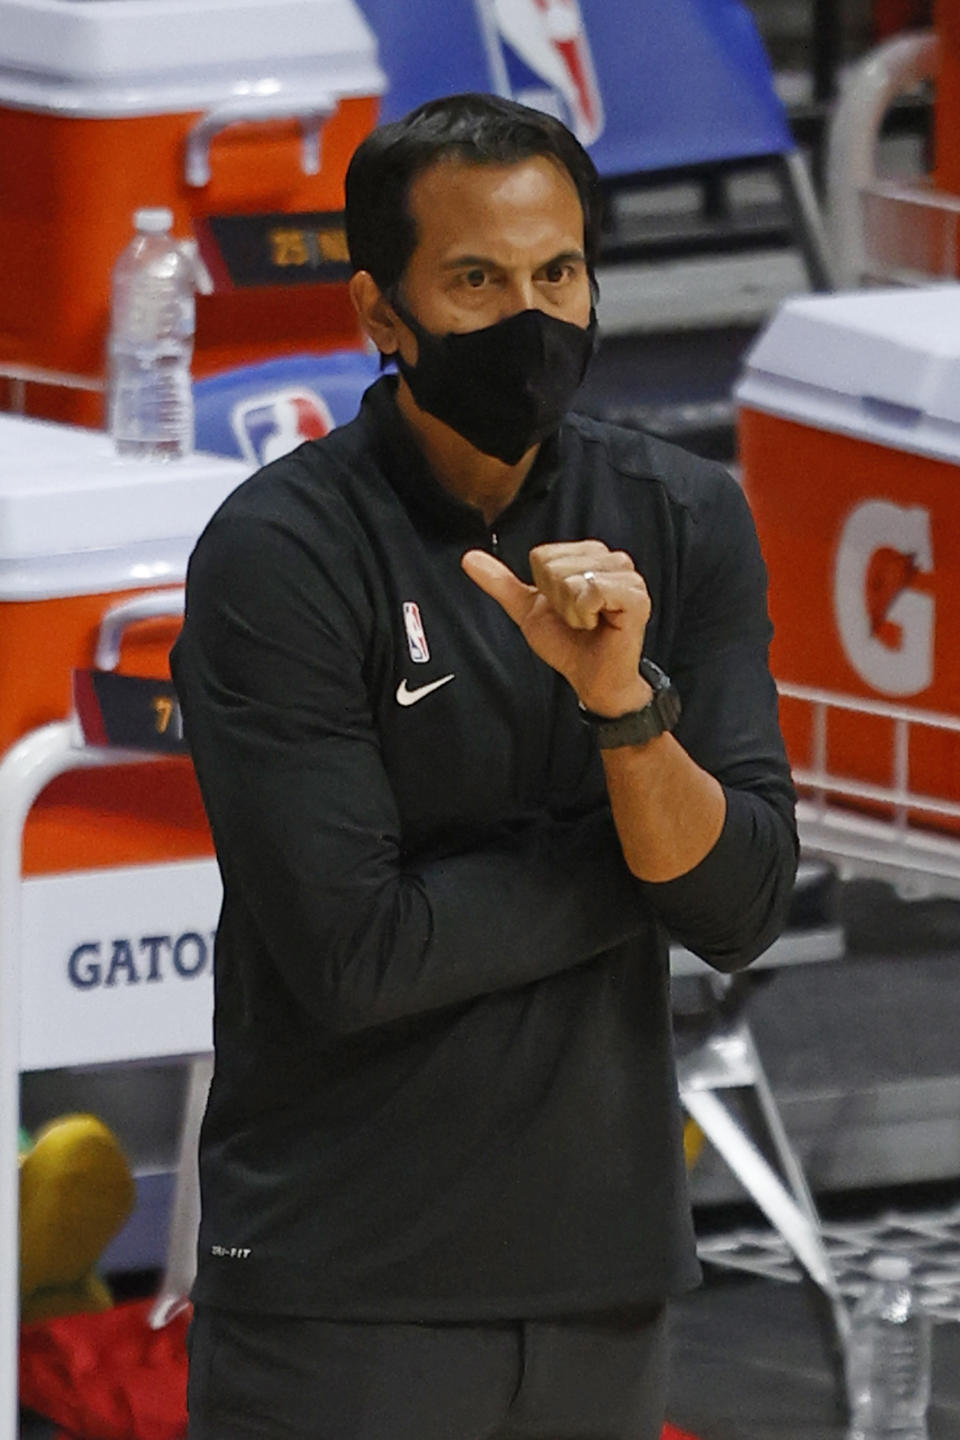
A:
(499, 582)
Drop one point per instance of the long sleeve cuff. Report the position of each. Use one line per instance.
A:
(731, 907)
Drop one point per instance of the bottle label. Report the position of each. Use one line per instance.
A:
(153, 315)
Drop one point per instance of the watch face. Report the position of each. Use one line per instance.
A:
(653, 674)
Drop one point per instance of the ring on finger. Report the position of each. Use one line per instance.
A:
(589, 575)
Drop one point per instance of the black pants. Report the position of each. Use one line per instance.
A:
(256, 1377)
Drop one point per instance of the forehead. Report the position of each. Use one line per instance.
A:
(490, 209)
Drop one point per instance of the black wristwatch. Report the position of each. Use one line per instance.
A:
(638, 727)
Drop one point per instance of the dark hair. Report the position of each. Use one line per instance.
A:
(474, 129)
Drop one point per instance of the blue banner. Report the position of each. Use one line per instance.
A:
(645, 84)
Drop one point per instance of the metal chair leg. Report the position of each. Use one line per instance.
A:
(728, 1060)
(808, 224)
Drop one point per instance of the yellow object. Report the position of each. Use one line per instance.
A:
(76, 1193)
(693, 1141)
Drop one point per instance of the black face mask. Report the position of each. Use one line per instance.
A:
(503, 388)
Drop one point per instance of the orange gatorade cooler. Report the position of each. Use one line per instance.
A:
(80, 531)
(240, 115)
(850, 442)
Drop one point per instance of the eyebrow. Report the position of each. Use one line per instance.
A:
(460, 262)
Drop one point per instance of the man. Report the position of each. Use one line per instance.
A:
(423, 672)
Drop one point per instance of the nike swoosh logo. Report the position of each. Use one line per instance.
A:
(410, 697)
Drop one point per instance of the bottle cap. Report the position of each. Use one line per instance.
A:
(153, 220)
(890, 1267)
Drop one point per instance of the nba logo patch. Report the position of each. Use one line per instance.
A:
(268, 426)
(416, 635)
(539, 54)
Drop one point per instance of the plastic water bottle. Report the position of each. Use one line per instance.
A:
(888, 1361)
(151, 342)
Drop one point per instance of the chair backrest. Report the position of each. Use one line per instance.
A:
(646, 84)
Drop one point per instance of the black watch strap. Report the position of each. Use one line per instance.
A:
(639, 727)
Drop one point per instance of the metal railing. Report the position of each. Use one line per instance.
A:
(917, 858)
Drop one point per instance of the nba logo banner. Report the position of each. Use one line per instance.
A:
(269, 425)
(539, 55)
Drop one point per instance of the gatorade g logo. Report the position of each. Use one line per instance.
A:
(885, 613)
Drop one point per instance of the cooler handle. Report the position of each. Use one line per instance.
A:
(155, 605)
(310, 109)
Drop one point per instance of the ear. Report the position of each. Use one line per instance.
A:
(374, 312)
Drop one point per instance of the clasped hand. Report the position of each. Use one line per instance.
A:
(585, 614)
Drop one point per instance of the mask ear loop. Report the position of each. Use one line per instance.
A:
(392, 297)
(399, 307)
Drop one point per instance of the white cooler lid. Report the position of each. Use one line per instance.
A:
(76, 519)
(883, 365)
(150, 57)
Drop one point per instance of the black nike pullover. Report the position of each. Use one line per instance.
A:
(444, 1082)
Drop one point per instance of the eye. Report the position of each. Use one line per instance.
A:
(475, 278)
(557, 272)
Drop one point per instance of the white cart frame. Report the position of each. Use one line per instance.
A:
(27, 768)
(919, 862)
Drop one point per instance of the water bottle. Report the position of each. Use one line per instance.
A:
(151, 343)
(888, 1360)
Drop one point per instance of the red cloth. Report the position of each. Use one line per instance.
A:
(110, 1377)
